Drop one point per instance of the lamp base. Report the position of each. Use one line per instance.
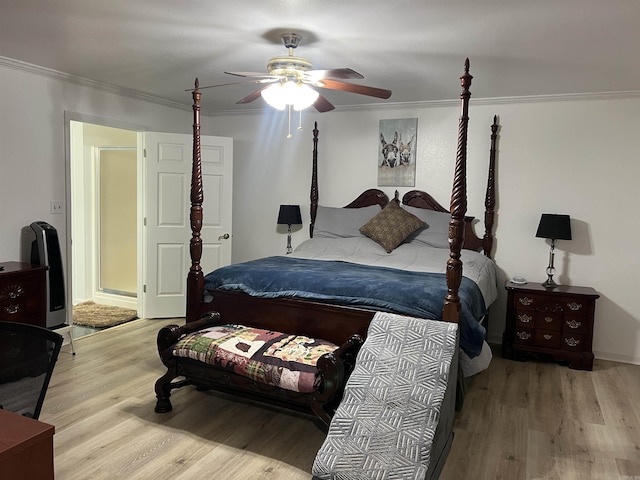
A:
(549, 283)
(289, 249)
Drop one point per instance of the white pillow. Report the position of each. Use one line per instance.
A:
(436, 233)
(334, 222)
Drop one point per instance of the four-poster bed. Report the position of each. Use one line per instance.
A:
(344, 322)
(324, 319)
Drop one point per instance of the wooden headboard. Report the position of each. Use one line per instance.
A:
(422, 199)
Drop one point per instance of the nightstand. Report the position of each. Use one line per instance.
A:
(555, 322)
(23, 296)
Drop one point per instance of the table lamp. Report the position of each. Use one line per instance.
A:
(553, 227)
(289, 215)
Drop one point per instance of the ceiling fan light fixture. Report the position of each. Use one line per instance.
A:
(274, 96)
(298, 95)
(305, 96)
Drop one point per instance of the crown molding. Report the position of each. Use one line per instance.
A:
(497, 101)
(572, 97)
(66, 77)
(50, 73)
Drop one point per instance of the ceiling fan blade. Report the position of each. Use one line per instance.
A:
(353, 88)
(340, 73)
(251, 74)
(252, 96)
(322, 104)
(264, 80)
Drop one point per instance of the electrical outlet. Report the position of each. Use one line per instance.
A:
(56, 207)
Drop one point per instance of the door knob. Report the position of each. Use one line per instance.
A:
(223, 237)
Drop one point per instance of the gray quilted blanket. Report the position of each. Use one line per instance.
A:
(385, 425)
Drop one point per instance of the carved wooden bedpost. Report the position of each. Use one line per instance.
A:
(451, 308)
(195, 278)
(314, 180)
(490, 200)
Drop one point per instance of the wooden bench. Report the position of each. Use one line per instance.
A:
(288, 370)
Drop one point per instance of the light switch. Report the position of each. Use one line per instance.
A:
(57, 207)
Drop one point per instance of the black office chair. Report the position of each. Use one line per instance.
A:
(28, 354)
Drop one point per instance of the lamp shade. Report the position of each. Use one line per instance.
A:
(299, 95)
(289, 215)
(554, 227)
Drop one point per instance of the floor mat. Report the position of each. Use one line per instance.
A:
(101, 316)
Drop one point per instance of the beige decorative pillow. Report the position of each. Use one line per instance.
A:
(391, 226)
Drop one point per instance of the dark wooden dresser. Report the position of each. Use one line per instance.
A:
(556, 323)
(23, 296)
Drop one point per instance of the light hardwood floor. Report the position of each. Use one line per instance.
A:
(520, 421)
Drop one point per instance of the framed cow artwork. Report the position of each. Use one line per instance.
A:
(397, 152)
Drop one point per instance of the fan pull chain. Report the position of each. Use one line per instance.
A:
(289, 121)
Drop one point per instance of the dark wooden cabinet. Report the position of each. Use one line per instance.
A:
(26, 448)
(557, 323)
(23, 293)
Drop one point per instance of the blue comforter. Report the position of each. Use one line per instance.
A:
(376, 288)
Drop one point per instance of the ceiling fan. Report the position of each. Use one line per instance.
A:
(289, 79)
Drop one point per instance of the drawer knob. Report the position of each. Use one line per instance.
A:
(523, 335)
(547, 336)
(525, 301)
(574, 324)
(574, 306)
(572, 342)
(548, 319)
(524, 318)
(12, 291)
(12, 309)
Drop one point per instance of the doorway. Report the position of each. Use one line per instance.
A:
(103, 214)
(163, 173)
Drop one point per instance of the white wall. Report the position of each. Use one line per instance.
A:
(32, 142)
(575, 156)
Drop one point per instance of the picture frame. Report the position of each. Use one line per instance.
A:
(397, 152)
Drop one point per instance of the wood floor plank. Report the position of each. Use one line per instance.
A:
(521, 421)
(580, 401)
(619, 394)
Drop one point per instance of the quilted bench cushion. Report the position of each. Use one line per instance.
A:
(272, 358)
(385, 425)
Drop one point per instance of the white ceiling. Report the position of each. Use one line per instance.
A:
(416, 48)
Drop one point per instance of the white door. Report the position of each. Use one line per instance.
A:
(166, 229)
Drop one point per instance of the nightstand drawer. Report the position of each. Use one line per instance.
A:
(524, 336)
(540, 303)
(525, 319)
(575, 307)
(574, 343)
(549, 321)
(547, 338)
(524, 301)
(575, 324)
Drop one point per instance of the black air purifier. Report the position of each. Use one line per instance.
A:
(41, 247)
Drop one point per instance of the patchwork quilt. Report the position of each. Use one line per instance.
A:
(268, 357)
